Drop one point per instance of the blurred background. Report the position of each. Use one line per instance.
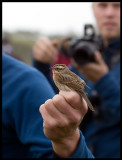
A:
(24, 22)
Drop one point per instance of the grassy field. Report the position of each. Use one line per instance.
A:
(23, 41)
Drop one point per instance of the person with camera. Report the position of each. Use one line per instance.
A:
(98, 63)
(102, 74)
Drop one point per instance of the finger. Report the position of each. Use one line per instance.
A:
(47, 119)
(45, 52)
(40, 54)
(72, 115)
(48, 43)
(76, 101)
(98, 57)
(51, 50)
(49, 122)
(61, 104)
(55, 42)
(58, 118)
(41, 46)
(44, 44)
(53, 111)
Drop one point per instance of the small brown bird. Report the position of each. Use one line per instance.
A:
(67, 80)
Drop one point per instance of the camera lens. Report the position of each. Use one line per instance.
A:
(83, 54)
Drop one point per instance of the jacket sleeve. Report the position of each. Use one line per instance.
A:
(82, 150)
(108, 88)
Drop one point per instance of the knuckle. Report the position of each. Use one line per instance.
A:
(48, 103)
(57, 99)
(72, 97)
(75, 119)
(51, 124)
(64, 123)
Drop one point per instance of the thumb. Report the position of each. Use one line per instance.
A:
(98, 58)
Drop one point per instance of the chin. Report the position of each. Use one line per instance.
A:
(110, 35)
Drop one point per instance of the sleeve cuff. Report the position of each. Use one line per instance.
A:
(81, 151)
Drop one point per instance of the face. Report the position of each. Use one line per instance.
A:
(58, 68)
(107, 16)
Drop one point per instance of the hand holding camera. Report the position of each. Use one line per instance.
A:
(44, 50)
(93, 71)
(86, 54)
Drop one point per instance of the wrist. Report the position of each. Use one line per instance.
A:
(66, 147)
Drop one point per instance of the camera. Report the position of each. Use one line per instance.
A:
(82, 49)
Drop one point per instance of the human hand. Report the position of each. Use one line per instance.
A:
(61, 117)
(44, 50)
(93, 71)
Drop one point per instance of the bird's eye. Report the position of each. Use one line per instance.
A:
(58, 69)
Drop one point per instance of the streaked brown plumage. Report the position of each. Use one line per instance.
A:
(67, 80)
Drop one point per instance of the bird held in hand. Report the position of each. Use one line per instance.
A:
(66, 80)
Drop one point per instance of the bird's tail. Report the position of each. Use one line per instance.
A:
(83, 94)
(87, 86)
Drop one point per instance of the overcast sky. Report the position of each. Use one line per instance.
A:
(46, 17)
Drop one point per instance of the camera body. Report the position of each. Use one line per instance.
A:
(82, 50)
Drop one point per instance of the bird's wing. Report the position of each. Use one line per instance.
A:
(71, 81)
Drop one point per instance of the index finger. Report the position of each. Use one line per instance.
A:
(75, 100)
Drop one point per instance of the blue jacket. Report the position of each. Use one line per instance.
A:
(24, 89)
(102, 131)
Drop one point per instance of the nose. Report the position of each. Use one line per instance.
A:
(110, 11)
